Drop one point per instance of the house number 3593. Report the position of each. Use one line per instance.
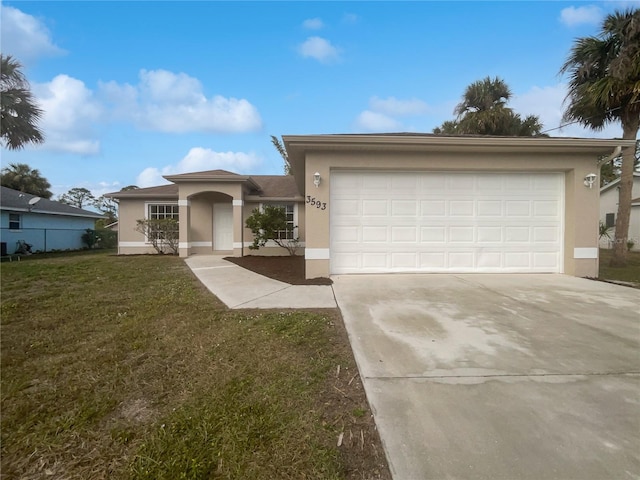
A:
(316, 203)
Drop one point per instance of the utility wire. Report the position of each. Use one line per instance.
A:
(580, 121)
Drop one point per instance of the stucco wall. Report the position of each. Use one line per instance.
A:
(201, 218)
(130, 211)
(581, 203)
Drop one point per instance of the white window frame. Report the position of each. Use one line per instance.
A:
(147, 212)
(19, 221)
(294, 231)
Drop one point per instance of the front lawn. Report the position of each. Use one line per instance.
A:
(126, 367)
(630, 273)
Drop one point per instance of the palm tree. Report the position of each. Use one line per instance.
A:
(19, 176)
(483, 111)
(18, 110)
(604, 87)
(283, 153)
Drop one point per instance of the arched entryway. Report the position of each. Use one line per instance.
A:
(211, 222)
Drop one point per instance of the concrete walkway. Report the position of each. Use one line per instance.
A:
(238, 287)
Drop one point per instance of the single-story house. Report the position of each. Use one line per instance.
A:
(44, 224)
(374, 203)
(609, 210)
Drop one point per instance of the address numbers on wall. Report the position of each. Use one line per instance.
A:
(314, 202)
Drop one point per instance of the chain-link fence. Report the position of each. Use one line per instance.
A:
(41, 239)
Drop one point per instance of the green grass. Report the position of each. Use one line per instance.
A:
(126, 367)
(630, 273)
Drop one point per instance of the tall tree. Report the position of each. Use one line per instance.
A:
(107, 206)
(483, 111)
(20, 176)
(604, 87)
(19, 113)
(78, 197)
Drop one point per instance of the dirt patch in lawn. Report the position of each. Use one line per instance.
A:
(289, 269)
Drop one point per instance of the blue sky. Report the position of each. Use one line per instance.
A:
(136, 90)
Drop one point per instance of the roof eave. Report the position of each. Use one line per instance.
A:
(298, 145)
(258, 198)
(119, 195)
(185, 177)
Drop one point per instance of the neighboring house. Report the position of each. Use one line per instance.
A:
(44, 224)
(609, 210)
(399, 203)
(112, 226)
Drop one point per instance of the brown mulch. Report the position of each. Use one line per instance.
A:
(289, 269)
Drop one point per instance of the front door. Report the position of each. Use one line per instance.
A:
(222, 226)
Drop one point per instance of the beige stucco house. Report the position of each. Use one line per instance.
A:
(399, 203)
(211, 208)
(609, 210)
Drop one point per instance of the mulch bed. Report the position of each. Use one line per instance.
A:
(289, 269)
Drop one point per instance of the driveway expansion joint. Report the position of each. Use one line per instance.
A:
(262, 296)
(427, 377)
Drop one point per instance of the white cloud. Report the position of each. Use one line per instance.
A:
(199, 159)
(25, 37)
(319, 49)
(350, 18)
(547, 104)
(313, 24)
(380, 115)
(377, 122)
(587, 14)
(394, 107)
(70, 110)
(175, 103)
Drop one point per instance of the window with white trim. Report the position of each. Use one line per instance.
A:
(15, 221)
(289, 211)
(161, 210)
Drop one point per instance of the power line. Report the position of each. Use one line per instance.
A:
(593, 116)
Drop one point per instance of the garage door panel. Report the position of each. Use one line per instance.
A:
(461, 208)
(545, 260)
(489, 208)
(432, 260)
(404, 234)
(489, 260)
(436, 221)
(545, 234)
(375, 208)
(433, 208)
(375, 234)
(546, 209)
(346, 234)
(489, 235)
(433, 234)
(347, 207)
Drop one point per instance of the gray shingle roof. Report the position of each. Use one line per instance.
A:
(270, 186)
(283, 186)
(17, 201)
(163, 191)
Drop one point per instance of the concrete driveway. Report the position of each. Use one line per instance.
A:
(499, 376)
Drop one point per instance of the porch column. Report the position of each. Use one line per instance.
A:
(185, 227)
(238, 227)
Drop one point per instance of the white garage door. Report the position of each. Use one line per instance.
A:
(446, 222)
